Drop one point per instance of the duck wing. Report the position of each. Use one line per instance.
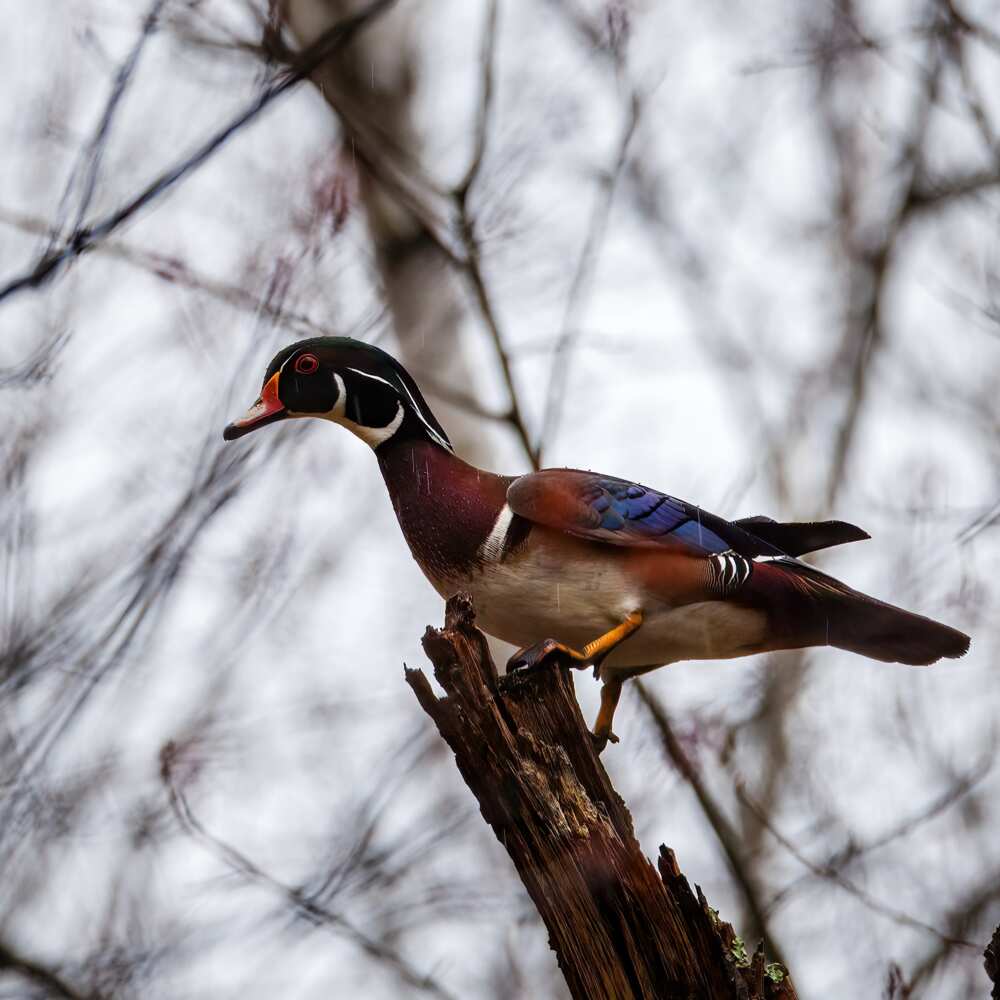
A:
(607, 509)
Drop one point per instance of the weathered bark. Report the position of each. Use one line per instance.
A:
(618, 928)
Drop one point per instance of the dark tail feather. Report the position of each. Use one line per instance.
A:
(820, 610)
(796, 538)
(871, 628)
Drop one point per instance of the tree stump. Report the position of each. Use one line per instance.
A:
(619, 929)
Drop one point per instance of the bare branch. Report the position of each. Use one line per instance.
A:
(838, 878)
(305, 905)
(487, 72)
(89, 160)
(962, 918)
(974, 28)
(864, 332)
(930, 193)
(175, 271)
(853, 850)
(726, 835)
(11, 960)
(445, 218)
(472, 264)
(86, 237)
(583, 275)
(475, 275)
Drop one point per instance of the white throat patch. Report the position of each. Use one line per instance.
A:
(372, 436)
(416, 409)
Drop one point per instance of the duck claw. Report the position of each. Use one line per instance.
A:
(547, 653)
(600, 741)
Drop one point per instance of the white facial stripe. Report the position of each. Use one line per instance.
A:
(340, 407)
(372, 436)
(377, 378)
(492, 548)
(416, 409)
(430, 430)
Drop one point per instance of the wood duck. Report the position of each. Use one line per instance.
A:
(580, 568)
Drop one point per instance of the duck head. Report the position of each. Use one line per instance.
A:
(345, 381)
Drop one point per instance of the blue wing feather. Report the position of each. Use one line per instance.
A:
(648, 514)
(613, 510)
(608, 509)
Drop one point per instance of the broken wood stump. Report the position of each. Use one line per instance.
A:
(620, 928)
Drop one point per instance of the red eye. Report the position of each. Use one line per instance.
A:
(306, 364)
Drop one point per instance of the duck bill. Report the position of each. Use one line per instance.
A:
(266, 410)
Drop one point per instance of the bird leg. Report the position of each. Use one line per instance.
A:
(602, 734)
(550, 652)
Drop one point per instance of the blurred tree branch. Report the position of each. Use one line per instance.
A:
(963, 917)
(725, 832)
(473, 257)
(88, 163)
(85, 237)
(416, 224)
(305, 904)
(175, 271)
(618, 929)
(583, 274)
(11, 960)
(854, 850)
(871, 263)
(834, 875)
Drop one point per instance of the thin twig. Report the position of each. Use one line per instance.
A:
(986, 35)
(395, 171)
(726, 835)
(582, 276)
(839, 879)
(12, 960)
(94, 152)
(963, 917)
(475, 275)
(86, 237)
(303, 904)
(931, 193)
(137, 597)
(487, 62)
(583, 26)
(174, 271)
(865, 331)
(855, 850)
(958, 43)
(472, 264)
